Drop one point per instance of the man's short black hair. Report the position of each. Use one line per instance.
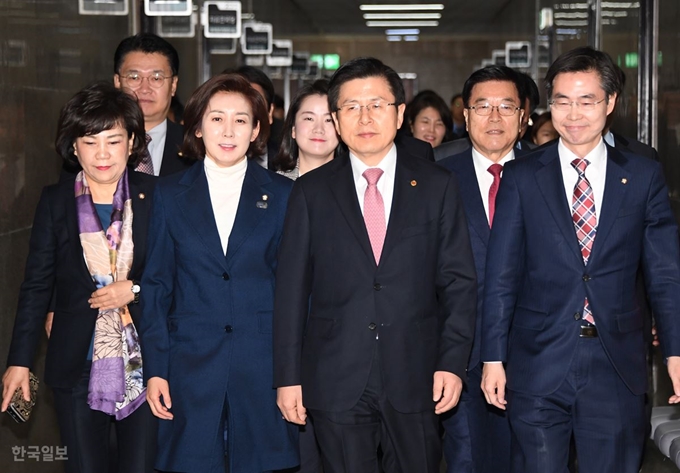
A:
(586, 59)
(257, 76)
(493, 73)
(147, 43)
(531, 91)
(362, 68)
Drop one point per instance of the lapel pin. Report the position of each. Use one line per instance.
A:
(624, 181)
(261, 205)
(265, 197)
(142, 195)
(414, 183)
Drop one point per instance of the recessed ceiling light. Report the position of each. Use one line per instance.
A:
(394, 38)
(402, 16)
(403, 7)
(410, 38)
(411, 31)
(399, 24)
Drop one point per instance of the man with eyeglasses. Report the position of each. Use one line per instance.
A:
(561, 320)
(375, 289)
(146, 65)
(478, 436)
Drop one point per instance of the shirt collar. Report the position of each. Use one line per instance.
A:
(609, 138)
(483, 162)
(596, 157)
(387, 164)
(158, 132)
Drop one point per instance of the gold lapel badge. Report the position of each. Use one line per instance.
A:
(142, 195)
(624, 181)
(262, 204)
(414, 183)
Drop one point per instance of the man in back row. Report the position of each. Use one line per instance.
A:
(146, 65)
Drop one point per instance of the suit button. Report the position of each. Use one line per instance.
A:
(586, 277)
(577, 316)
(225, 276)
(371, 326)
(377, 287)
(228, 328)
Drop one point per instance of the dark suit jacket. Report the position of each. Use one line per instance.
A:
(332, 300)
(451, 148)
(172, 161)
(536, 281)
(55, 262)
(207, 323)
(635, 147)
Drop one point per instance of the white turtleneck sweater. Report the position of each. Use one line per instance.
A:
(224, 185)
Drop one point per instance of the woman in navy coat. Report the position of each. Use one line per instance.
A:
(209, 293)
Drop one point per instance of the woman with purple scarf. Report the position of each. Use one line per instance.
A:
(86, 254)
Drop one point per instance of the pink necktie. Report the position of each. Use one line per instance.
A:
(145, 165)
(374, 212)
(495, 169)
(585, 220)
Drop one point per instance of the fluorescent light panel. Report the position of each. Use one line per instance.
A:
(411, 31)
(410, 38)
(394, 38)
(403, 7)
(400, 24)
(402, 16)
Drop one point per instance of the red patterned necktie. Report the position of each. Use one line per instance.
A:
(374, 212)
(495, 169)
(585, 220)
(146, 164)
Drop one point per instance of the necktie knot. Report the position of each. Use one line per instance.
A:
(580, 164)
(495, 169)
(372, 175)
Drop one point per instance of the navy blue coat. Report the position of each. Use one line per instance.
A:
(207, 325)
(536, 281)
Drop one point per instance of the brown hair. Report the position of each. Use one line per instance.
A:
(197, 104)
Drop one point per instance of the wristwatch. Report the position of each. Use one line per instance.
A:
(136, 289)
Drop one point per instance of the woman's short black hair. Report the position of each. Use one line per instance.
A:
(96, 108)
(425, 99)
(287, 157)
(193, 146)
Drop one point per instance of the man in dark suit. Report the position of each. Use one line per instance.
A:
(478, 436)
(575, 221)
(146, 65)
(375, 293)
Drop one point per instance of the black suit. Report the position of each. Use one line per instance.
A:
(172, 160)
(333, 302)
(55, 263)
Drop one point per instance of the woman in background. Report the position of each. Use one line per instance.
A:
(209, 293)
(429, 118)
(87, 248)
(309, 137)
(543, 130)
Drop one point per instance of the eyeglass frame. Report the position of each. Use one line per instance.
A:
(126, 79)
(579, 105)
(368, 110)
(497, 107)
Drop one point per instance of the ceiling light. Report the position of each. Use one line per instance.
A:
(402, 31)
(399, 24)
(394, 38)
(410, 38)
(403, 7)
(625, 5)
(402, 16)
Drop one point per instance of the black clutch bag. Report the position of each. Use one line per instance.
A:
(19, 408)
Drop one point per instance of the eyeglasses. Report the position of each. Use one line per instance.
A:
(134, 80)
(373, 109)
(565, 105)
(485, 109)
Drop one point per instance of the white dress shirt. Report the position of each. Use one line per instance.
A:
(157, 145)
(224, 185)
(484, 177)
(596, 172)
(386, 183)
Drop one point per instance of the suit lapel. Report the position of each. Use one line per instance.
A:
(140, 219)
(551, 184)
(252, 207)
(614, 190)
(345, 193)
(173, 140)
(472, 196)
(197, 209)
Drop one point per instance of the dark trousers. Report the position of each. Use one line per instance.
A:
(477, 438)
(607, 421)
(349, 440)
(86, 433)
